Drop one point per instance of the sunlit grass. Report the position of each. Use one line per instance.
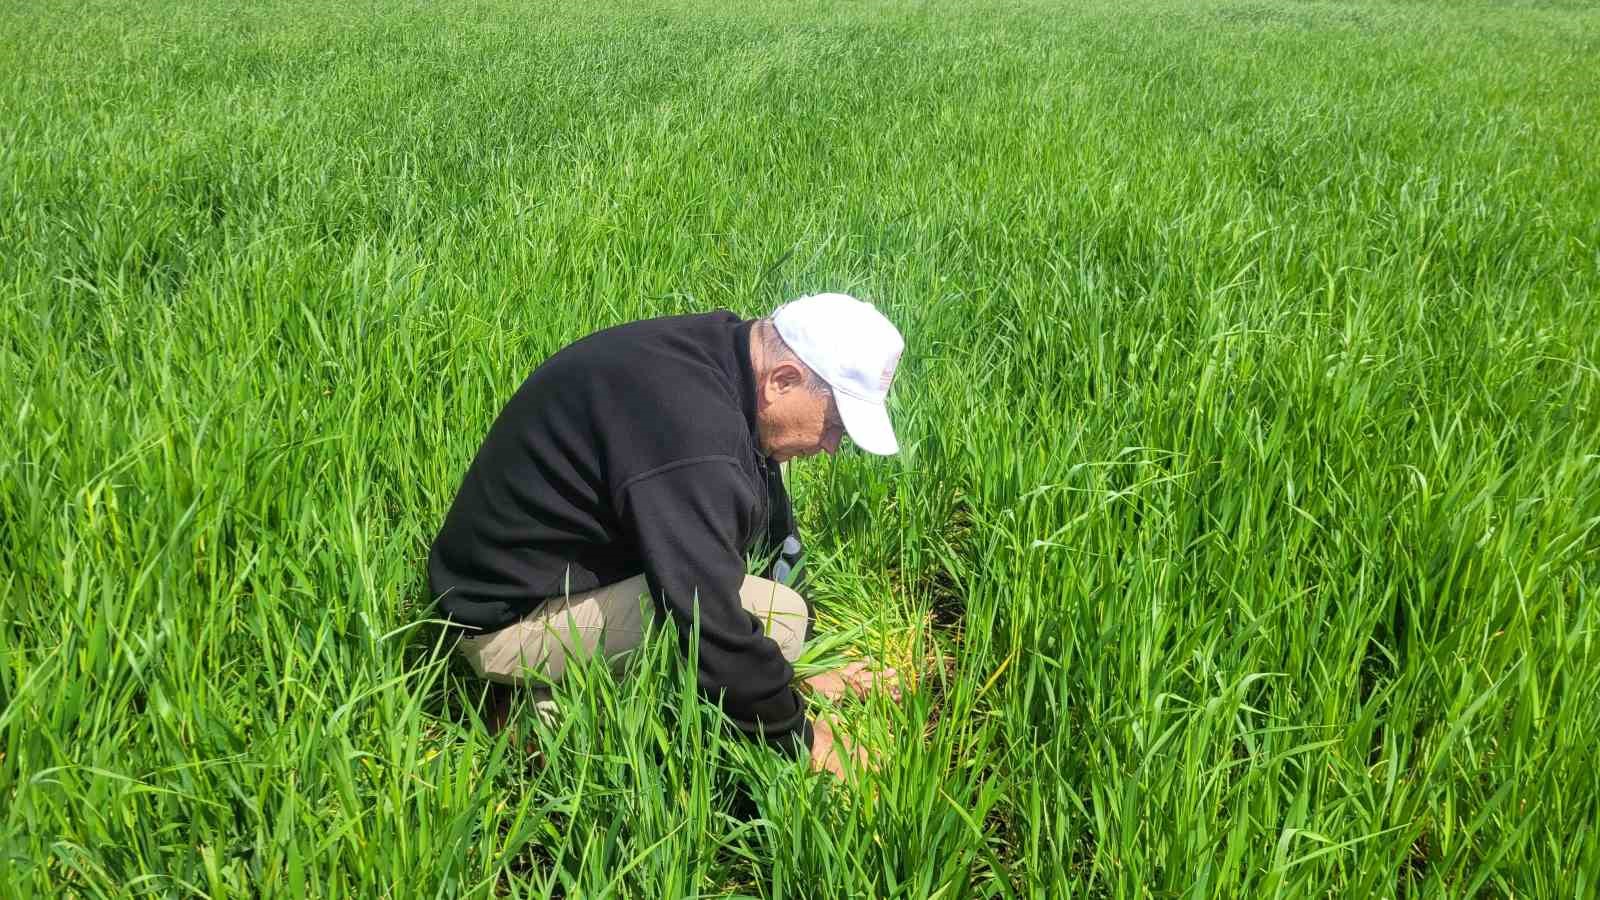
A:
(1245, 540)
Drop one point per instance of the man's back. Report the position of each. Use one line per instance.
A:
(541, 511)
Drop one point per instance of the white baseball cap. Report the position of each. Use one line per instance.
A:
(852, 347)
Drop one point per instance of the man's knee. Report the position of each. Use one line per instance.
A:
(608, 621)
(509, 657)
(782, 611)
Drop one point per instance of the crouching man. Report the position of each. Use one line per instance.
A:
(629, 478)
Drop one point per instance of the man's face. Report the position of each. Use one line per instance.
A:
(795, 420)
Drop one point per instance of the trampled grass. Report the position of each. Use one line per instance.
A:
(1246, 541)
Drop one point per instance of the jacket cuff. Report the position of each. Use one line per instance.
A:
(794, 742)
(797, 743)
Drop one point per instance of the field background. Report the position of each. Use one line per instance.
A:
(1246, 541)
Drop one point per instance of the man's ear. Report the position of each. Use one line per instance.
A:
(786, 376)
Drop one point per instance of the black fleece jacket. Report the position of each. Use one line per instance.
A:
(633, 450)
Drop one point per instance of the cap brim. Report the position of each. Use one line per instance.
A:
(868, 424)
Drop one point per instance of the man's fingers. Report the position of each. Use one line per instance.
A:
(851, 670)
(864, 679)
(860, 678)
(861, 756)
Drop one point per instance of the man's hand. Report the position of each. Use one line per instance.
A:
(858, 679)
(829, 750)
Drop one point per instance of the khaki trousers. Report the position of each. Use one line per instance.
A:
(612, 620)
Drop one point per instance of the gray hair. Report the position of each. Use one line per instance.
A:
(778, 349)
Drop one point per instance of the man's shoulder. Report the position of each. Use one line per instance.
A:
(662, 355)
(657, 390)
(660, 330)
(641, 351)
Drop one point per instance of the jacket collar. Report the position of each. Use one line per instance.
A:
(747, 380)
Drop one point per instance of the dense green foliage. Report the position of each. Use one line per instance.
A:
(1246, 542)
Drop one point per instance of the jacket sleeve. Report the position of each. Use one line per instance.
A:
(688, 521)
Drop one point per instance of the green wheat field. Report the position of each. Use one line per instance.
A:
(1246, 540)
